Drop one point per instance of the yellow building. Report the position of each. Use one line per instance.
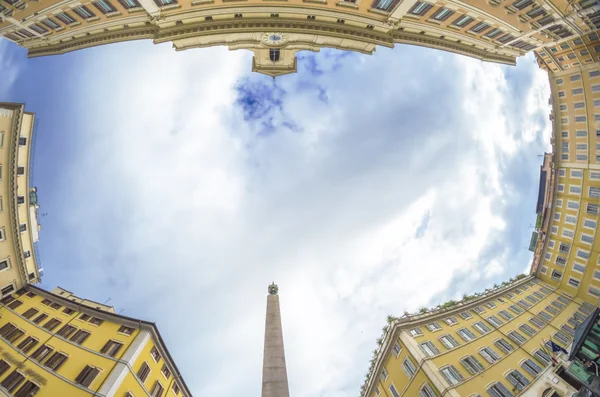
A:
(19, 226)
(56, 344)
(275, 30)
(497, 343)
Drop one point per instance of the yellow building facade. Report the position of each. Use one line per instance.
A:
(19, 227)
(275, 30)
(497, 343)
(56, 344)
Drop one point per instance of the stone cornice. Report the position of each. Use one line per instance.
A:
(433, 42)
(12, 187)
(146, 32)
(278, 24)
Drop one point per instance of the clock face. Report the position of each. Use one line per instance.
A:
(274, 39)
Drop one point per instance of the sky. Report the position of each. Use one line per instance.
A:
(177, 186)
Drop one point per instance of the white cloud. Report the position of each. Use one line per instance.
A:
(190, 210)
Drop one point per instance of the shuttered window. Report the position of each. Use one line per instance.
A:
(27, 344)
(52, 324)
(542, 357)
(517, 380)
(143, 372)
(490, 355)
(87, 376)
(111, 348)
(66, 331)
(30, 312)
(531, 367)
(41, 353)
(80, 336)
(472, 365)
(56, 360)
(28, 389)
(157, 390)
(12, 381)
(14, 304)
(504, 346)
(40, 318)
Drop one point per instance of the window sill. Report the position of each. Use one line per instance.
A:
(200, 2)
(380, 12)
(92, 19)
(315, 1)
(347, 4)
(135, 9)
(112, 14)
(169, 7)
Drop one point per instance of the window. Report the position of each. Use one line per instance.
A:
(552, 310)
(157, 390)
(125, 330)
(104, 6)
(583, 254)
(594, 291)
(531, 299)
(87, 376)
(527, 330)
(545, 316)
(384, 375)
(451, 320)
(66, 331)
(129, 3)
(590, 224)
(12, 381)
(449, 341)
(494, 321)
(573, 282)
(80, 336)
(592, 209)
(515, 309)
(568, 330)
(595, 191)
(442, 14)
(176, 388)
(489, 355)
(20, 170)
(575, 189)
(274, 54)
(517, 337)
(415, 332)
(429, 348)
(490, 305)
(481, 327)
(420, 8)
(556, 275)
(582, 133)
(426, 391)
(111, 348)
(56, 360)
(27, 344)
(493, 33)
(10, 332)
(40, 318)
(466, 334)
(465, 315)
(562, 338)
(83, 12)
(524, 304)
(505, 315)
(165, 371)
(143, 371)
(55, 306)
(96, 321)
(542, 357)
(578, 267)
(155, 354)
(394, 391)
(472, 365)
(504, 346)
(452, 375)
(14, 304)
(27, 390)
(68, 311)
(537, 322)
(396, 349)
(575, 77)
(65, 18)
(41, 353)
(30, 312)
(568, 233)
(517, 379)
(480, 27)
(434, 327)
(462, 21)
(408, 367)
(84, 317)
(52, 324)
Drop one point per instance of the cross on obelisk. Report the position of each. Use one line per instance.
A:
(274, 379)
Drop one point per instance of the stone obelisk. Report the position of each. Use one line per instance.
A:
(274, 378)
